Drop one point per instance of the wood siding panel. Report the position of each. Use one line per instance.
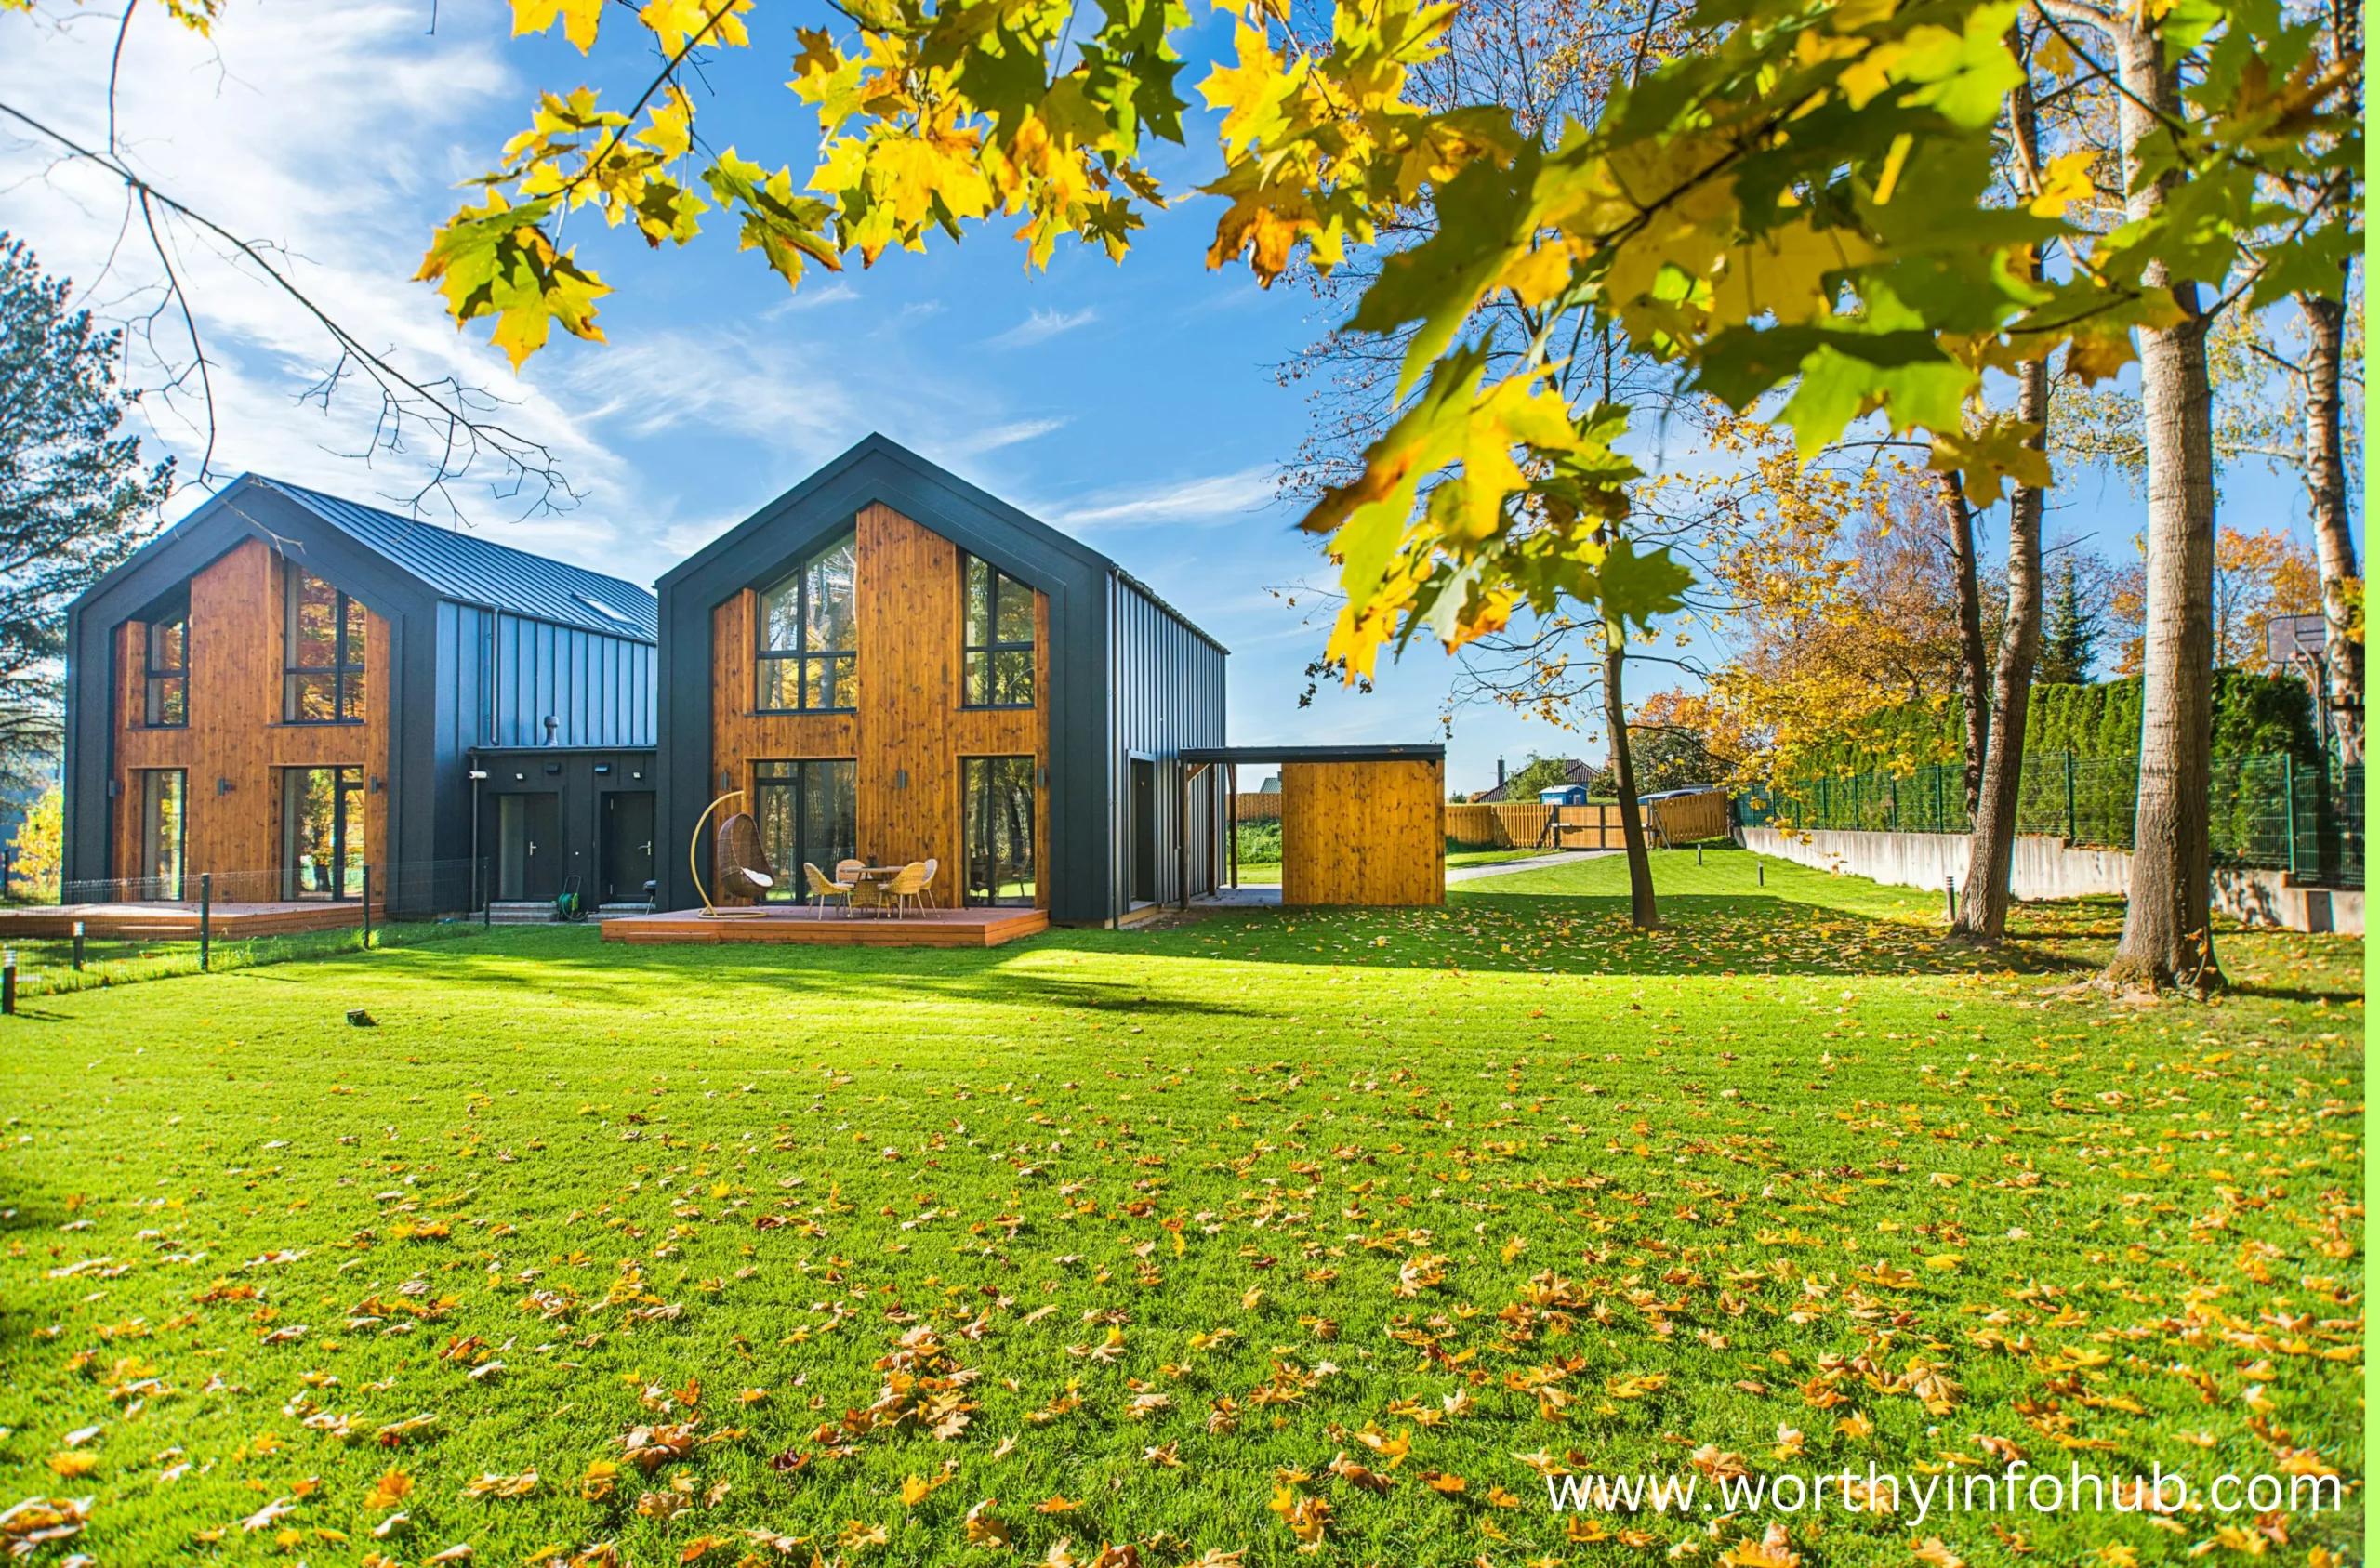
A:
(235, 734)
(1363, 833)
(909, 733)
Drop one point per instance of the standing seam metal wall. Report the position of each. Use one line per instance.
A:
(599, 690)
(1165, 691)
(501, 674)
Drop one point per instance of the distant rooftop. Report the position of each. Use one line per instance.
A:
(475, 570)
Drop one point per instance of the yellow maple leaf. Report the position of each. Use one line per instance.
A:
(579, 19)
(390, 1490)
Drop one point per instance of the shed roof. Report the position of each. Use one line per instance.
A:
(1315, 754)
(474, 571)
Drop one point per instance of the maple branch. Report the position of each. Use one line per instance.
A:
(189, 323)
(620, 132)
(445, 402)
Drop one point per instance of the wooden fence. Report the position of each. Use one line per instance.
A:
(1691, 819)
(1685, 820)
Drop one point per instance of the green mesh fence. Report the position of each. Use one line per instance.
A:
(2274, 812)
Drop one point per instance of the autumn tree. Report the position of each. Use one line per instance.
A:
(2257, 577)
(1983, 913)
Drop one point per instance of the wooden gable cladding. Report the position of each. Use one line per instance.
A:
(909, 732)
(235, 734)
(1363, 833)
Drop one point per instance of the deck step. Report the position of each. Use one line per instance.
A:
(524, 912)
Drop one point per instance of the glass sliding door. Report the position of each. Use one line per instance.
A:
(163, 823)
(996, 807)
(322, 833)
(808, 810)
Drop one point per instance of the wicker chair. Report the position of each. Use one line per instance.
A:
(925, 894)
(909, 887)
(743, 864)
(822, 889)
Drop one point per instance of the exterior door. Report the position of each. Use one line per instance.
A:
(162, 825)
(998, 807)
(1143, 831)
(628, 845)
(808, 812)
(528, 846)
(322, 833)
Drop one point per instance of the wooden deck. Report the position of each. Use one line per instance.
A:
(178, 922)
(931, 928)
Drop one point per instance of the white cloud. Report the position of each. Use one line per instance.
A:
(995, 437)
(810, 298)
(1221, 498)
(666, 379)
(1042, 325)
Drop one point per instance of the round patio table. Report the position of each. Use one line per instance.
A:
(881, 875)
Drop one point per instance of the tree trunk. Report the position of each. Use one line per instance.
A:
(1992, 847)
(2167, 937)
(2333, 525)
(1973, 691)
(1642, 912)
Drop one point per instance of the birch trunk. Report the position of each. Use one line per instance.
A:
(1973, 692)
(1992, 847)
(2326, 499)
(2167, 940)
(1641, 911)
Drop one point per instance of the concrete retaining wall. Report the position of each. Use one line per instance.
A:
(2045, 868)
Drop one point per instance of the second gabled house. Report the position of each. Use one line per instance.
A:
(892, 665)
(286, 688)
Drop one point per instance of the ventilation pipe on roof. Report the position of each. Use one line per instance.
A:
(1500, 773)
(553, 724)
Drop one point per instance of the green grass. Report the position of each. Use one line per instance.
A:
(1500, 1178)
(46, 966)
(1489, 857)
(1263, 873)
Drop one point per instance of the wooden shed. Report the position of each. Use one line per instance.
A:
(1360, 824)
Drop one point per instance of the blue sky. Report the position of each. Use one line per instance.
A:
(1136, 406)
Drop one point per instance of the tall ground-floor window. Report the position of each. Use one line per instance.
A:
(808, 810)
(322, 833)
(163, 825)
(996, 807)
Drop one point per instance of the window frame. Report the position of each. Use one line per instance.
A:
(155, 677)
(798, 777)
(995, 646)
(343, 607)
(765, 659)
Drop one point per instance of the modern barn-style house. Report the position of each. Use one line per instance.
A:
(886, 688)
(286, 688)
(894, 666)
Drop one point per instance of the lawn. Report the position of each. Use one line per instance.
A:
(1249, 1231)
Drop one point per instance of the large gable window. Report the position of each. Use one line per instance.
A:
(321, 666)
(808, 655)
(998, 637)
(164, 698)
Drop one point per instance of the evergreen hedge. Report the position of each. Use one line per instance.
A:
(2254, 716)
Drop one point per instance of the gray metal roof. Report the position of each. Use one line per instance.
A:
(1391, 753)
(475, 570)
